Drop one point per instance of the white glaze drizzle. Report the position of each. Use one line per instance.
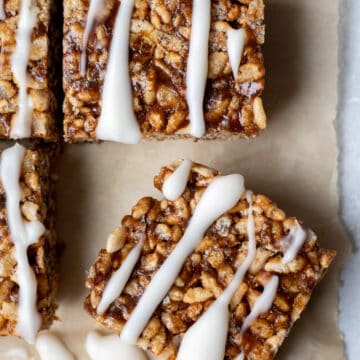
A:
(263, 302)
(94, 9)
(220, 196)
(175, 184)
(119, 279)
(240, 356)
(16, 353)
(235, 44)
(293, 242)
(117, 121)
(2, 10)
(197, 66)
(111, 348)
(23, 234)
(50, 347)
(21, 126)
(206, 339)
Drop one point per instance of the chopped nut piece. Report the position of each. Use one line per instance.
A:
(116, 239)
(259, 113)
(197, 295)
(30, 210)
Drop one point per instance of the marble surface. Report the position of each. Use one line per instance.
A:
(348, 126)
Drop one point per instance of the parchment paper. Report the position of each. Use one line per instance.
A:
(293, 162)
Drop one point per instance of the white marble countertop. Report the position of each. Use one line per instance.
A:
(348, 126)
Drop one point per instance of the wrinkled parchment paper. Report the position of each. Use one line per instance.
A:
(293, 162)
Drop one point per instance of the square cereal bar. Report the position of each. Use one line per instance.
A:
(209, 247)
(151, 71)
(28, 249)
(28, 40)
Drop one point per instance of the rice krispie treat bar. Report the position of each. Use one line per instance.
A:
(163, 69)
(212, 268)
(28, 278)
(27, 103)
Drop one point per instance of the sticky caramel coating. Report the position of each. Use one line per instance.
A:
(159, 46)
(42, 82)
(208, 270)
(37, 203)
